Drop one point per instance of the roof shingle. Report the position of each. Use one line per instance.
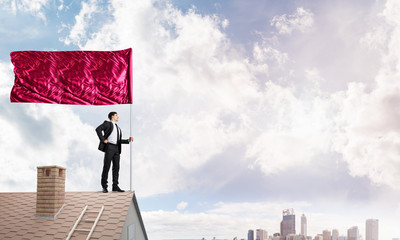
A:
(18, 221)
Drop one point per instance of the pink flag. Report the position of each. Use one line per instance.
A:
(72, 77)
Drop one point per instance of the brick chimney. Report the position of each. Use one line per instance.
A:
(50, 194)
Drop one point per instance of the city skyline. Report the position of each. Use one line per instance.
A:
(352, 233)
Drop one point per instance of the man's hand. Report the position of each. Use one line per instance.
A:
(106, 141)
(130, 139)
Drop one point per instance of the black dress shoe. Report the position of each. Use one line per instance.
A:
(105, 190)
(117, 189)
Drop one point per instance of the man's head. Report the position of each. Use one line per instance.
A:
(113, 116)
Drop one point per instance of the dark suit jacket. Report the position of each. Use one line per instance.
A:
(104, 131)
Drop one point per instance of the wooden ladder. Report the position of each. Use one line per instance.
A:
(94, 221)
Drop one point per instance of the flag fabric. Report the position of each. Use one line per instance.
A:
(72, 77)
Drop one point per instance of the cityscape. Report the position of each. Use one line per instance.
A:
(288, 231)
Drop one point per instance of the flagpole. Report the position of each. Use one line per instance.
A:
(131, 147)
(131, 125)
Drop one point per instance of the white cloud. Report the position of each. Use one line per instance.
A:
(34, 7)
(315, 79)
(225, 23)
(181, 205)
(368, 135)
(171, 225)
(61, 6)
(292, 130)
(253, 209)
(391, 11)
(375, 39)
(197, 138)
(214, 223)
(6, 73)
(263, 52)
(302, 20)
(78, 34)
(49, 135)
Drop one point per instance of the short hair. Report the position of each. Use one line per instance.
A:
(111, 114)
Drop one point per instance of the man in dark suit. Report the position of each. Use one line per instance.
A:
(110, 136)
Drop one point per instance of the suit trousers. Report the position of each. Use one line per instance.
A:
(111, 155)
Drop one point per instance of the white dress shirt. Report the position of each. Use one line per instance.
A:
(113, 138)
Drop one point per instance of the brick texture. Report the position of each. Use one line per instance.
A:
(50, 195)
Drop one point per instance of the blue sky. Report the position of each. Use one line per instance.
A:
(242, 109)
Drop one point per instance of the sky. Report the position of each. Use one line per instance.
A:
(241, 109)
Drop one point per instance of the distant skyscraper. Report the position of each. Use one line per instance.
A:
(335, 234)
(326, 235)
(288, 224)
(303, 225)
(371, 229)
(250, 235)
(353, 234)
(318, 237)
(294, 237)
(261, 234)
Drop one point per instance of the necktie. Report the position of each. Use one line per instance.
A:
(117, 132)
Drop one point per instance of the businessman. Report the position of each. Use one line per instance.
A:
(110, 136)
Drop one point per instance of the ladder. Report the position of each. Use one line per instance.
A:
(94, 221)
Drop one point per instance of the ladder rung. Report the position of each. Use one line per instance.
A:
(88, 220)
(82, 230)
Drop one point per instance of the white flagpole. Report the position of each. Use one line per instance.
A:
(131, 127)
(131, 147)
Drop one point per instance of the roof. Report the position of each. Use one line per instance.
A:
(18, 220)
